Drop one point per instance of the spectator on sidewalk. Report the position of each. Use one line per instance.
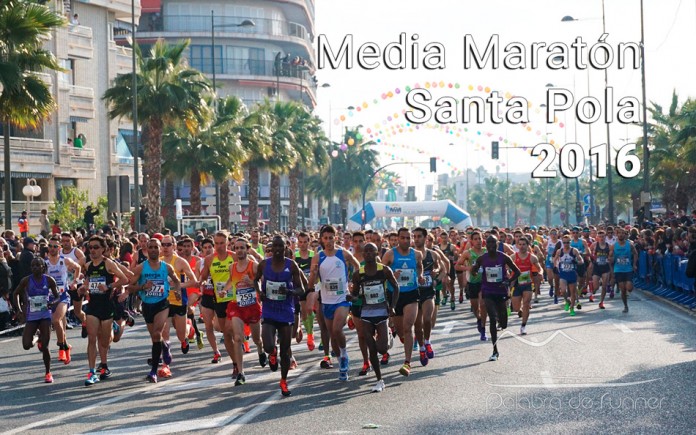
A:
(45, 224)
(23, 223)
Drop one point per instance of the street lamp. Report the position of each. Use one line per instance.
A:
(135, 147)
(31, 190)
(245, 23)
(646, 153)
(466, 171)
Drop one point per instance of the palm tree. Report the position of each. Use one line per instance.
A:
(536, 196)
(168, 92)
(490, 196)
(25, 99)
(310, 144)
(214, 151)
(476, 203)
(447, 192)
(518, 197)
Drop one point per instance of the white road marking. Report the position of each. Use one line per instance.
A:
(446, 327)
(547, 379)
(621, 326)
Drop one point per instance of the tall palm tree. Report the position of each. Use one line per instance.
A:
(214, 151)
(477, 203)
(168, 91)
(518, 198)
(26, 99)
(447, 192)
(490, 197)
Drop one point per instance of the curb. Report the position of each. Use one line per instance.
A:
(650, 295)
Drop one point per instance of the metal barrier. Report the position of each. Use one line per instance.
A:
(665, 276)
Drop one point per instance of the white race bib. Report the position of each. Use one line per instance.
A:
(223, 295)
(246, 296)
(275, 290)
(94, 282)
(525, 278)
(494, 274)
(157, 289)
(334, 286)
(428, 280)
(622, 261)
(38, 304)
(60, 286)
(601, 260)
(567, 267)
(407, 277)
(374, 294)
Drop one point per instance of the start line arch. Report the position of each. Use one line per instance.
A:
(445, 208)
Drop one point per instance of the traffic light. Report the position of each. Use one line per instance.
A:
(433, 164)
(494, 150)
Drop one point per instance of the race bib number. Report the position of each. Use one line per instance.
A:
(622, 261)
(567, 267)
(60, 286)
(407, 277)
(208, 285)
(374, 294)
(94, 284)
(38, 304)
(246, 297)
(494, 274)
(223, 295)
(334, 287)
(157, 289)
(275, 290)
(428, 280)
(525, 278)
(601, 261)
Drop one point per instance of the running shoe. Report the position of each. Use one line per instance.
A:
(429, 351)
(152, 378)
(241, 379)
(591, 298)
(342, 376)
(550, 291)
(390, 339)
(523, 330)
(452, 305)
(509, 311)
(625, 310)
(519, 313)
(567, 306)
(61, 355)
(49, 378)
(235, 370)
(601, 305)
(415, 344)
(273, 359)
(247, 348)
(263, 359)
(84, 330)
(216, 358)
(405, 369)
(365, 369)
(115, 327)
(423, 358)
(385, 359)
(293, 363)
(579, 306)
(321, 346)
(555, 299)
(494, 357)
(284, 388)
(199, 341)
(483, 336)
(310, 342)
(35, 342)
(164, 372)
(444, 301)
(68, 358)
(130, 321)
(92, 379)
(611, 294)
(326, 363)
(69, 326)
(461, 299)
(536, 300)
(185, 347)
(479, 326)
(379, 386)
(343, 364)
(104, 373)
(167, 353)
(572, 311)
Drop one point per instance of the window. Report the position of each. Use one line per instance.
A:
(245, 60)
(201, 58)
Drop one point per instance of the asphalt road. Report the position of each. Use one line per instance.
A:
(600, 371)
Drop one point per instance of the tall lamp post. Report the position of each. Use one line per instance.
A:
(646, 153)
(136, 147)
(213, 26)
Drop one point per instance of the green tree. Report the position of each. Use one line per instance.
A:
(168, 92)
(447, 192)
(70, 208)
(26, 99)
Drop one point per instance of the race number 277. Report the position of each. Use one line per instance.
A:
(571, 160)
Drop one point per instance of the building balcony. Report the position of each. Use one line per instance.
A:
(295, 80)
(121, 8)
(31, 155)
(80, 42)
(292, 37)
(124, 58)
(76, 163)
(81, 102)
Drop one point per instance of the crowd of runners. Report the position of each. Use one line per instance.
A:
(271, 289)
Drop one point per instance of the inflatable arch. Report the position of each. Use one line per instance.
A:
(446, 208)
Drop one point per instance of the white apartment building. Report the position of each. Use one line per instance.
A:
(262, 49)
(91, 58)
